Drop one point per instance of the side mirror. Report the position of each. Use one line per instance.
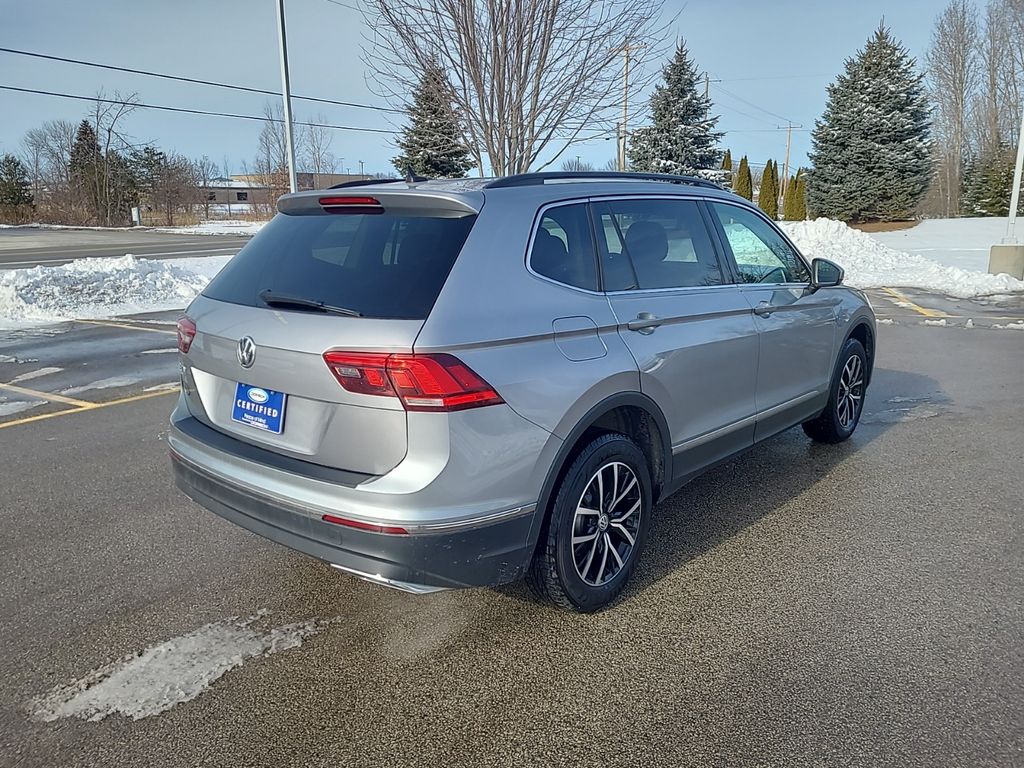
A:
(825, 274)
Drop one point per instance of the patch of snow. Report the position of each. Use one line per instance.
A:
(17, 406)
(960, 243)
(35, 374)
(886, 321)
(160, 387)
(169, 673)
(63, 226)
(225, 227)
(969, 323)
(8, 359)
(938, 323)
(102, 288)
(870, 264)
(163, 351)
(113, 381)
(1018, 326)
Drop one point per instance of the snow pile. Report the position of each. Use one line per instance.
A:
(169, 673)
(963, 243)
(225, 227)
(870, 264)
(102, 288)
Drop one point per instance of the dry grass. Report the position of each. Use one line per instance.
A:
(884, 226)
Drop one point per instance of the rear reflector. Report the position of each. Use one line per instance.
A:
(186, 333)
(393, 530)
(422, 382)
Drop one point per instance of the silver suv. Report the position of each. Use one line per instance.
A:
(449, 384)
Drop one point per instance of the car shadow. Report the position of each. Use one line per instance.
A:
(727, 499)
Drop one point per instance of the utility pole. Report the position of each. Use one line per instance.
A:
(623, 130)
(707, 85)
(293, 185)
(785, 166)
(361, 168)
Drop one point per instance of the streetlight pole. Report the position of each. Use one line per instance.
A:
(293, 185)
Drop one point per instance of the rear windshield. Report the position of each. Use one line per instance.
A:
(378, 265)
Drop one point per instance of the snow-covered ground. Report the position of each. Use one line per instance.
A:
(101, 288)
(960, 243)
(224, 227)
(871, 264)
(171, 672)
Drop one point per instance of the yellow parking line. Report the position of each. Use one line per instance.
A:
(903, 301)
(47, 396)
(88, 407)
(125, 325)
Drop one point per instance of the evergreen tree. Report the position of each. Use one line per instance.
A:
(988, 183)
(871, 148)
(85, 156)
(789, 200)
(727, 179)
(744, 182)
(768, 196)
(432, 144)
(682, 137)
(800, 206)
(14, 184)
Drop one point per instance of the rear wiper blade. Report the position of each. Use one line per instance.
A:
(272, 299)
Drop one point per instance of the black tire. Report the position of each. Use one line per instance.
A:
(835, 424)
(559, 566)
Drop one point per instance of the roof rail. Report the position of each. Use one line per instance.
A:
(530, 179)
(364, 182)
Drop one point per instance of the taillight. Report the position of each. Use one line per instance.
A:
(186, 333)
(422, 382)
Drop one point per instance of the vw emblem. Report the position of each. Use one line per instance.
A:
(246, 351)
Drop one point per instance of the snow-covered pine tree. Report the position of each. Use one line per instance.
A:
(432, 143)
(988, 182)
(871, 148)
(744, 186)
(15, 189)
(681, 138)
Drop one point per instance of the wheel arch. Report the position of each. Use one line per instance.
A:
(632, 413)
(863, 331)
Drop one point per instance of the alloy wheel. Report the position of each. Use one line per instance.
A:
(851, 392)
(606, 523)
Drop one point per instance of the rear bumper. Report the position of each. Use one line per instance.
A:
(488, 549)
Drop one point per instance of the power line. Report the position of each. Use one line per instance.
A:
(750, 103)
(166, 108)
(769, 77)
(195, 81)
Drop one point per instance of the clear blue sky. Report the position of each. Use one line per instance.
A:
(777, 55)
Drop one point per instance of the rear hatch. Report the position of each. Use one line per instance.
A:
(357, 271)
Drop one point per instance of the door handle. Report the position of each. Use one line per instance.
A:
(645, 323)
(763, 309)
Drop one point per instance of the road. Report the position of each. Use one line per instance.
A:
(26, 247)
(803, 605)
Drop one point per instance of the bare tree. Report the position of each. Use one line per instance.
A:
(953, 75)
(47, 154)
(204, 171)
(113, 191)
(271, 162)
(316, 142)
(575, 164)
(175, 186)
(530, 76)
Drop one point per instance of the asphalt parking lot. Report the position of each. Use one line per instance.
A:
(854, 605)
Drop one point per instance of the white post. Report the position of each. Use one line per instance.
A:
(1015, 194)
(286, 94)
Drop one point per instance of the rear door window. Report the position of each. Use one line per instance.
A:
(655, 243)
(376, 264)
